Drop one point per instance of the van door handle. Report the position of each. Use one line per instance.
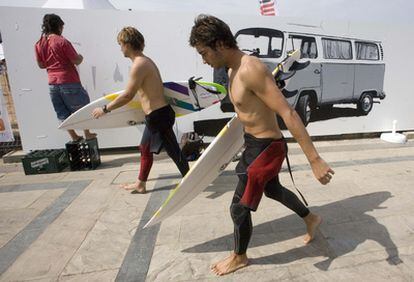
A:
(317, 71)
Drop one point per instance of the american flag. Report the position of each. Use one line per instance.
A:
(267, 7)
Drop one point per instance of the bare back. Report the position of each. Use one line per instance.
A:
(150, 87)
(258, 119)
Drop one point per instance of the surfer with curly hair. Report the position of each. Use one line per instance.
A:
(256, 99)
(145, 80)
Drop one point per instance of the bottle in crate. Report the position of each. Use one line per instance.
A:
(83, 154)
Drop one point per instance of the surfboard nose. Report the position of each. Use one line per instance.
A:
(63, 125)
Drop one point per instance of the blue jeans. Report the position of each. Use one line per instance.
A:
(67, 98)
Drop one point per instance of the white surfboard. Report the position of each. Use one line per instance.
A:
(178, 95)
(211, 163)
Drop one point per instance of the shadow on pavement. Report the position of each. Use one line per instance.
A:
(345, 237)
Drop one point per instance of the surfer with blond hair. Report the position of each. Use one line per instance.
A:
(256, 99)
(145, 80)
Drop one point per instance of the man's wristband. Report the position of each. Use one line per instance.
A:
(105, 109)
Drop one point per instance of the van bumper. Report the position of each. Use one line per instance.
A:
(381, 95)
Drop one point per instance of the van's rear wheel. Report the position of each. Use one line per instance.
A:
(365, 103)
(304, 109)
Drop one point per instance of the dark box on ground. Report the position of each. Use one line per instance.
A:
(210, 127)
(45, 161)
(83, 154)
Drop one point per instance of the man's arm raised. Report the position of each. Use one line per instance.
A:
(260, 81)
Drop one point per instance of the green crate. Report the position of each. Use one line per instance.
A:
(45, 161)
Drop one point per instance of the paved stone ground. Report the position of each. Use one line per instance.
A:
(79, 226)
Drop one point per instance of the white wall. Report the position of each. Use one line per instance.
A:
(105, 70)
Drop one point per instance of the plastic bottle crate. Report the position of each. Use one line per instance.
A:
(83, 154)
(45, 161)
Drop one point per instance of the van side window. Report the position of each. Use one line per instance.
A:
(307, 46)
(366, 51)
(337, 49)
(276, 46)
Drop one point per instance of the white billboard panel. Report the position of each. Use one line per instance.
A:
(105, 70)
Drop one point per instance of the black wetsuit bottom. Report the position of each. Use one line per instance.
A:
(159, 134)
(256, 150)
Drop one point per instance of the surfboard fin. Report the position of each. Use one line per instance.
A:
(193, 82)
(280, 84)
(192, 85)
(281, 76)
(288, 93)
(299, 66)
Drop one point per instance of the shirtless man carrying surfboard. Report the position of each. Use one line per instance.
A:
(256, 99)
(145, 80)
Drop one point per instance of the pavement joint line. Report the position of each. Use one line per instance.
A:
(354, 147)
(355, 163)
(10, 252)
(137, 260)
(168, 176)
(34, 186)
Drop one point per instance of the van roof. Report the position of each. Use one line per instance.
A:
(330, 36)
(278, 32)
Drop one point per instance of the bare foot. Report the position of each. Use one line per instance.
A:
(312, 223)
(137, 187)
(230, 264)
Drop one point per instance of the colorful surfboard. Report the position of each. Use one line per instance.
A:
(179, 96)
(212, 162)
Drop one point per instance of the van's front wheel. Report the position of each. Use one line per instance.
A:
(365, 103)
(303, 108)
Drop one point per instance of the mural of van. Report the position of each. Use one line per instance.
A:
(342, 70)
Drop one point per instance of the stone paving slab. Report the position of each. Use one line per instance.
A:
(93, 232)
(96, 276)
(12, 221)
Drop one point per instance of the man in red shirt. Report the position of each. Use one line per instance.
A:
(57, 55)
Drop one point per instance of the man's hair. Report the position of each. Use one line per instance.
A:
(52, 24)
(209, 31)
(130, 35)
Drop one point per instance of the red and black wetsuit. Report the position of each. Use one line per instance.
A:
(258, 171)
(158, 134)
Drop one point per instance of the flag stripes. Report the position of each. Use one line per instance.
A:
(267, 7)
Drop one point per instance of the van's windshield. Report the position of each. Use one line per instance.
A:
(261, 42)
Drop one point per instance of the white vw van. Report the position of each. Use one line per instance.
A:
(342, 70)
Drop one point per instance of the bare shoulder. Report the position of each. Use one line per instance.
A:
(252, 70)
(141, 61)
(145, 63)
(140, 64)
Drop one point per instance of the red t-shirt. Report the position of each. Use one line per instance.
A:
(56, 53)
